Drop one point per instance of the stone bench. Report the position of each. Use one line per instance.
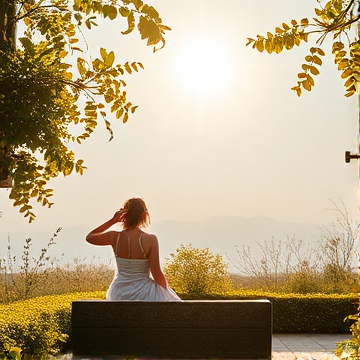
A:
(232, 329)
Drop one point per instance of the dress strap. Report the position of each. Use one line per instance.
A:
(129, 245)
(141, 247)
(117, 244)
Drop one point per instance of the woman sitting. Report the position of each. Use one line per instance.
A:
(136, 254)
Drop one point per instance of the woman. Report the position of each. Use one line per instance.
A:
(136, 253)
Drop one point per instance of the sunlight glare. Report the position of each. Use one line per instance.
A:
(204, 67)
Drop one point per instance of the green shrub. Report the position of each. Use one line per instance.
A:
(299, 313)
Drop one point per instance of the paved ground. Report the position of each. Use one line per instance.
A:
(284, 347)
(306, 346)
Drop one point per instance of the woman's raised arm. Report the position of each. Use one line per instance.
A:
(99, 236)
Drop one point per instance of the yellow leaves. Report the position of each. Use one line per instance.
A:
(314, 70)
(306, 81)
(41, 323)
(337, 46)
(90, 21)
(109, 11)
(67, 75)
(128, 68)
(108, 58)
(124, 11)
(15, 353)
(285, 26)
(286, 37)
(346, 73)
(314, 50)
(103, 53)
(349, 82)
(304, 22)
(259, 45)
(149, 10)
(336, 17)
(349, 67)
(119, 113)
(125, 118)
(289, 41)
(62, 54)
(56, 34)
(131, 23)
(351, 91)
(197, 271)
(149, 30)
(79, 168)
(317, 60)
(81, 67)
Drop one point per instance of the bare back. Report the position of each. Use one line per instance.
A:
(132, 245)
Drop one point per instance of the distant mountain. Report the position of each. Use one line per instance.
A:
(222, 234)
(219, 234)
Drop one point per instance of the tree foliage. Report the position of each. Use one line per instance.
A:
(336, 17)
(195, 271)
(49, 86)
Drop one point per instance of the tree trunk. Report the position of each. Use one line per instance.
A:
(7, 25)
(7, 45)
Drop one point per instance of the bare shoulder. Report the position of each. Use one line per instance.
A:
(150, 237)
(150, 241)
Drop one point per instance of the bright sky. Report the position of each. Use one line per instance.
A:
(218, 130)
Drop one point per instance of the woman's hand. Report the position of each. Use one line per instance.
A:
(99, 236)
(119, 216)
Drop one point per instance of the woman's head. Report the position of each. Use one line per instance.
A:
(136, 213)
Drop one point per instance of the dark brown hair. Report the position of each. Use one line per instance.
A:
(136, 213)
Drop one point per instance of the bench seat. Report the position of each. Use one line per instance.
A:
(192, 329)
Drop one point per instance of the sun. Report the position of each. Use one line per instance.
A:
(203, 67)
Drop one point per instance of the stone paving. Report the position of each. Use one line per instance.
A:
(306, 346)
(284, 347)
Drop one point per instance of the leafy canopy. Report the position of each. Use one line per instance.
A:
(336, 17)
(52, 93)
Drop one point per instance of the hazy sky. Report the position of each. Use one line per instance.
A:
(218, 130)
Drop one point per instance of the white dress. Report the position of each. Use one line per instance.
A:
(133, 282)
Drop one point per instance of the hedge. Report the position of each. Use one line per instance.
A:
(298, 313)
(42, 325)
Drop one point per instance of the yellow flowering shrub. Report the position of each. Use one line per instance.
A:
(197, 272)
(40, 325)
